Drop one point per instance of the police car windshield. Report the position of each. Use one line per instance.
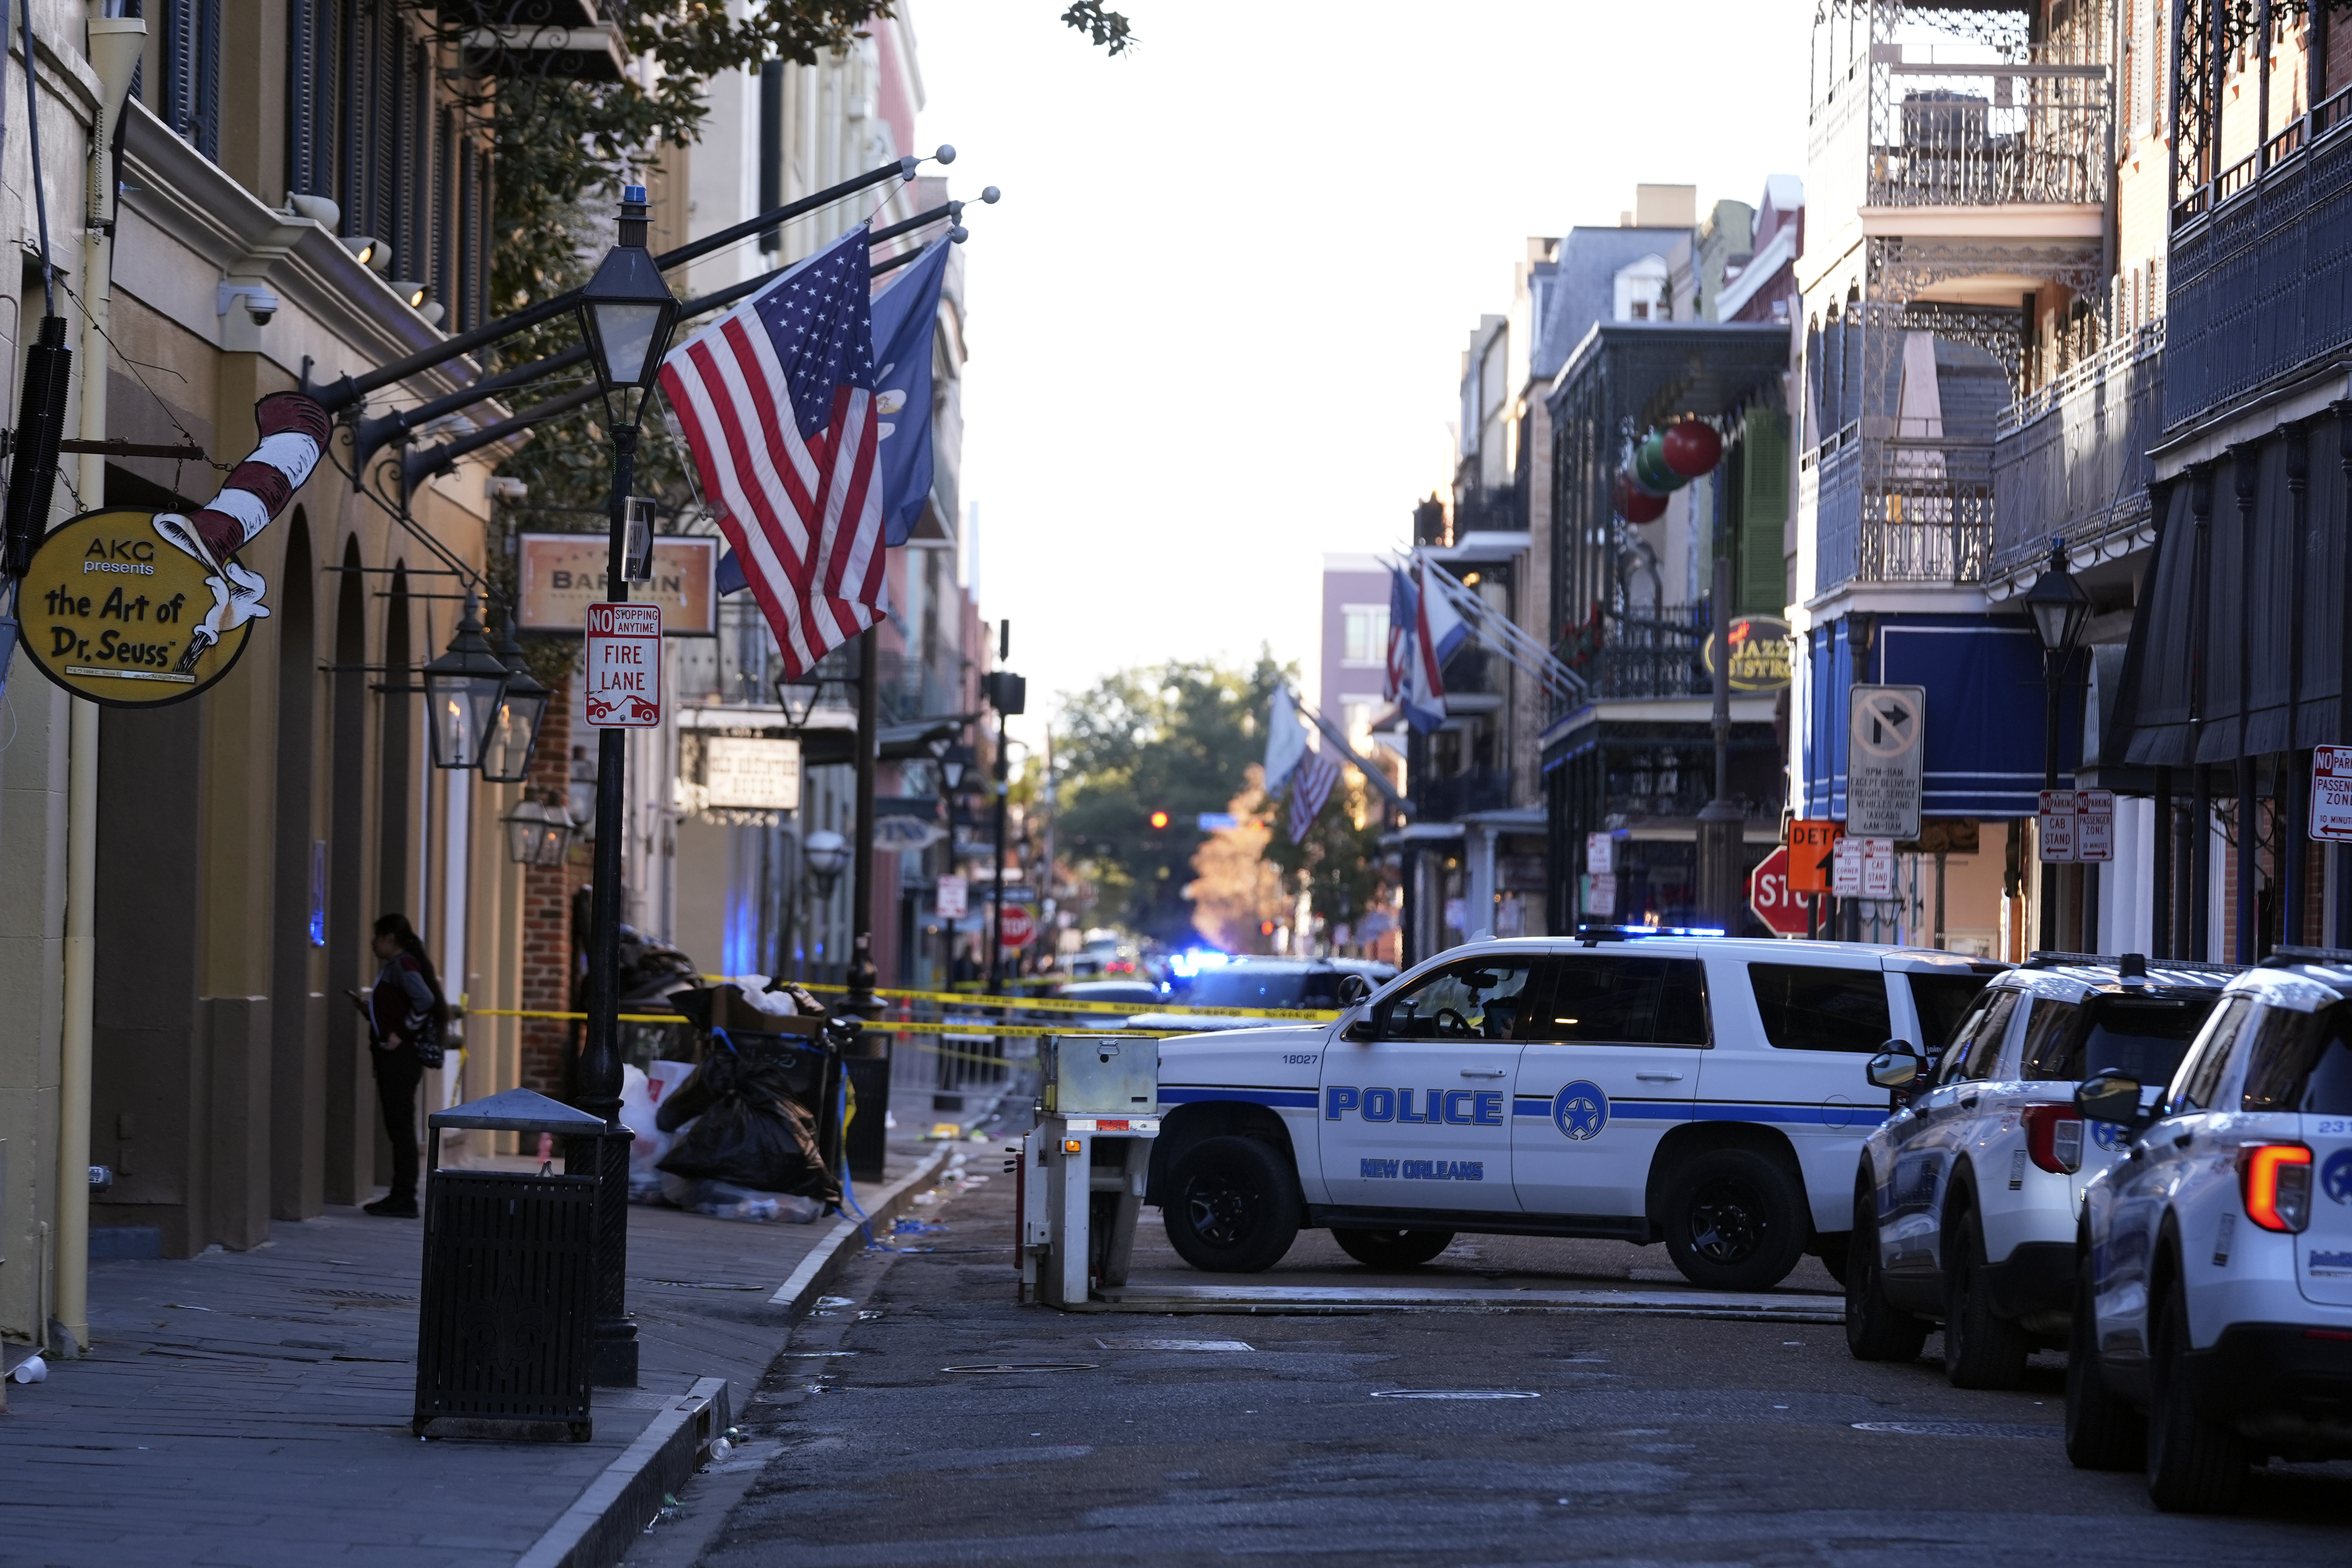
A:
(2142, 1036)
(1247, 985)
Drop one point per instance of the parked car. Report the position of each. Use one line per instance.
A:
(2212, 1321)
(1706, 1091)
(1273, 984)
(1967, 1197)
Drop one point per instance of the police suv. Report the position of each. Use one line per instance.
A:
(2212, 1324)
(1966, 1200)
(1625, 1083)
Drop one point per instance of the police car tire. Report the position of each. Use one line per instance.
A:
(1233, 1206)
(1981, 1351)
(1392, 1249)
(2194, 1466)
(1735, 1221)
(2103, 1431)
(1875, 1329)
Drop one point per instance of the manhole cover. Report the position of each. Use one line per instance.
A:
(1455, 1394)
(1137, 1344)
(1959, 1428)
(1024, 1366)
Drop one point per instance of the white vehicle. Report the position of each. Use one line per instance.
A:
(1966, 1200)
(1701, 1090)
(2212, 1327)
(1251, 982)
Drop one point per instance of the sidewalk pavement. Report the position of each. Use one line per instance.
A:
(253, 1408)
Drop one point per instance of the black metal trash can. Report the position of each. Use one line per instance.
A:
(508, 1298)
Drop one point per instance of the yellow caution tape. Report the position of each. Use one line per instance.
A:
(1065, 1004)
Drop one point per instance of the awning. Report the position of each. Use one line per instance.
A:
(1984, 710)
(2237, 649)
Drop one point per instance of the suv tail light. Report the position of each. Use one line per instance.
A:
(2054, 1137)
(2275, 1179)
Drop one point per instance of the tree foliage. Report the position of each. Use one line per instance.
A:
(1338, 865)
(1179, 738)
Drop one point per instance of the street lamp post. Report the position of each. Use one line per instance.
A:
(626, 312)
(1720, 821)
(2059, 607)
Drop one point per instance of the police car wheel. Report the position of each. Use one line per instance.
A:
(1980, 1349)
(1875, 1330)
(1735, 1221)
(2103, 1432)
(1232, 1207)
(2194, 1465)
(1392, 1248)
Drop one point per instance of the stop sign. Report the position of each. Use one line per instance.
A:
(1769, 896)
(1019, 927)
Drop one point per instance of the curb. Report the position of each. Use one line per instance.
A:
(608, 1518)
(827, 1257)
(603, 1522)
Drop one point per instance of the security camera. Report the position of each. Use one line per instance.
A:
(260, 303)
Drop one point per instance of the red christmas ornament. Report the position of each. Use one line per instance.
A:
(1635, 504)
(1692, 448)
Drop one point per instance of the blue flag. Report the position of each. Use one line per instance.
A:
(905, 315)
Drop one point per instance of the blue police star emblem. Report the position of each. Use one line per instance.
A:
(1580, 1110)
(2336, 1176)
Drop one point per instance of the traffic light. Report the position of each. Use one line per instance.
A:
(1159, 820)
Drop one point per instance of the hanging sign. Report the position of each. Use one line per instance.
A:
(1759, 653)
(751, 773)
(110, 612)
(2331, 793)
(623, 688)
(1886, 752)
(2094, 825)
(559, 576)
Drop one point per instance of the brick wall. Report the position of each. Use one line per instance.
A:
(547, 955)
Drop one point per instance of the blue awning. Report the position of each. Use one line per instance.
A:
(1984, 710)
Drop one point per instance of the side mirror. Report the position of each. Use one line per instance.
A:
(1361, 1031)
(1353, 989)
(2111, 1097)
(1897, 1066)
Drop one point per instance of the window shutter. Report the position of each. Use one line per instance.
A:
(1763, 511)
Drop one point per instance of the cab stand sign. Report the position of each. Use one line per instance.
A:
(111, 613)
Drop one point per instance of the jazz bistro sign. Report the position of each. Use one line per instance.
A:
(108, 611)
(1759, 653)
(560, 574)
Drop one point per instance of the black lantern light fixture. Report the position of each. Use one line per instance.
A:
(514, 731)
(462, 689)
(827, 856)
(539, 833)
(797, 694)
(2058, 605)
(953, 761)
(626, 312)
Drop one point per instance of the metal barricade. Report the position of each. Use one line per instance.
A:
(508, 1296)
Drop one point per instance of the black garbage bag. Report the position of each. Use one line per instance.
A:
(751, 1128)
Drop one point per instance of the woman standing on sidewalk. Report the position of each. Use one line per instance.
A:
(404, 1014)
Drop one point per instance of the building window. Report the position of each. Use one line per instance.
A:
(1367, 631)
(191, 86)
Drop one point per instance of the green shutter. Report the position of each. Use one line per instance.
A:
(1763, 510)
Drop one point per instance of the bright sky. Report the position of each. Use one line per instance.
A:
(1216, 322)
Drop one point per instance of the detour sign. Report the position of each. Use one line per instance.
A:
(108, 611)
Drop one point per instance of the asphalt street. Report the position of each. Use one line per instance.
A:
(927, 1418)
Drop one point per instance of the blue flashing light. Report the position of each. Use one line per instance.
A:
(1591, 932)
(1194, 959)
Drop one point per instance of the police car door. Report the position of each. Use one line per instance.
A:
(1611, 1064)
(1419, 1115)
(1910, 1234)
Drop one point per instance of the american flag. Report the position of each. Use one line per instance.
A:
(776, 401)
(1311, 788)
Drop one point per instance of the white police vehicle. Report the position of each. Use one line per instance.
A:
(2212, 1326)
(1966, 1199)
(1621, 1084)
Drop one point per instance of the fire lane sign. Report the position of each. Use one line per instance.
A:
(623, 689)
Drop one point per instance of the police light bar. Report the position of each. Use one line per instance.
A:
(1594, 932)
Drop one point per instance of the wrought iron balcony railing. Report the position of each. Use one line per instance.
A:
(1899, 507)
(2071, 459)
(1973, 135)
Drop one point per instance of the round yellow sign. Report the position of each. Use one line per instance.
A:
(111, 611)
